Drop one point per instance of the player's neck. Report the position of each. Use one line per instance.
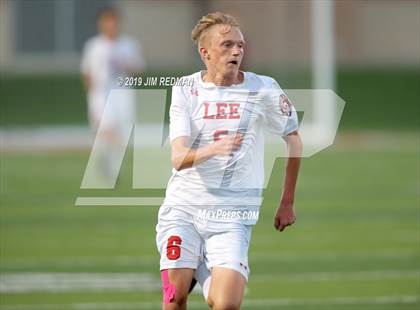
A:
(110, 37)
(222, 79)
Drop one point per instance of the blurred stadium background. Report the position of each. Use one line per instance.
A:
(356, 242)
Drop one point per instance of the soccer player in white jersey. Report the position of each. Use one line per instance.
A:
(106, 57)
(216, 134)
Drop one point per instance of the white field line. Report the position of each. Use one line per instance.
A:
(147, 282)
(75, 262)
(260, 303)
(81, 137)
(118, 201)
(135, 201)
(331, 276)
(135, 261)
(331, 255)
(67, 282)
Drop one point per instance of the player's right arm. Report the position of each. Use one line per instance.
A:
(85, 65)
(185, 157)
(86, 81)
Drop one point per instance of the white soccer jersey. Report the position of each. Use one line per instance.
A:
(104, 60)
(205, 112)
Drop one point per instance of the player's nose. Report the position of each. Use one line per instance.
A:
(237, 51)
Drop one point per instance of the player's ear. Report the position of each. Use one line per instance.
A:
(204, 53)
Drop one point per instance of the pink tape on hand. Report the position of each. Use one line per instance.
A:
(169, 289)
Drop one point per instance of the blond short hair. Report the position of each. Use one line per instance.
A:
(209, 20)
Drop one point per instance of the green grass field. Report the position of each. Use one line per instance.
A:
(355, 244)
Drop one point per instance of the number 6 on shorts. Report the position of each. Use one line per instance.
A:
(173, 251)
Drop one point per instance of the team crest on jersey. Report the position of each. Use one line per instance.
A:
(285, 105)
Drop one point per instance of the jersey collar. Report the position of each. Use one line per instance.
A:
(212, 85)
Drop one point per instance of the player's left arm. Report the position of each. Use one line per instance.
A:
(285, 214)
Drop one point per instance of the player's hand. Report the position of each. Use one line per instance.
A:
(228, 144)
(285, 216)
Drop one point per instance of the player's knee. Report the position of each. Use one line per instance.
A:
(175, 292)
(224, 304)
(177, 303)
(181, 300)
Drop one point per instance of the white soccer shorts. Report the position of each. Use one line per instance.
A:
(184, 241)
(112, 112)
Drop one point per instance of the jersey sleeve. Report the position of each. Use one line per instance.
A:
(140, 63)
(133, 55)
(179, 115)
(280, 114)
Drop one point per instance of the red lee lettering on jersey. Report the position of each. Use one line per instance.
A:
(233, 109)
(206, 111)
(222, 110)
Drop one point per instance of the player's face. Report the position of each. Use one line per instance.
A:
(108, 25)
(225, 49)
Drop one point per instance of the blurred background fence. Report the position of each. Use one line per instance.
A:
(376, 52)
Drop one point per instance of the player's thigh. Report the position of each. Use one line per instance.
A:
(178, 243)
(96, 107)
(105, 117)
(228, 248)
(227, 256)
(226, 289)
